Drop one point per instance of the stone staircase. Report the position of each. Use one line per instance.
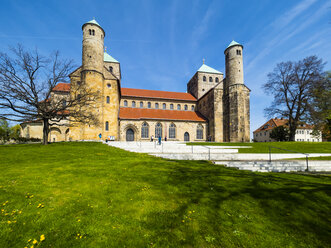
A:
(278, 166)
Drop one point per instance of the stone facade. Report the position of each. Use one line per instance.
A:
(214, 108)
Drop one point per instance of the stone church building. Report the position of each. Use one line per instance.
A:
(214, 108)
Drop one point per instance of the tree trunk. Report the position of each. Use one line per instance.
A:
(45, 131)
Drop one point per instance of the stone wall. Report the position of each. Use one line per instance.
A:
(181, 128)
(197, 87)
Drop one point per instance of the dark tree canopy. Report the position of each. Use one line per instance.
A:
(27, 80)
(280, 133)
(291, 84)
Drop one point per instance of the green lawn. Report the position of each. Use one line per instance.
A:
(263, 147)
(92, 195)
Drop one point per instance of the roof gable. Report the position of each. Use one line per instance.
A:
(108, 58)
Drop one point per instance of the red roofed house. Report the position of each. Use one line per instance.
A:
(214, 108)
(303, 132)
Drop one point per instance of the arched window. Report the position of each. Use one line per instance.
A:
(178, 106)
(185, 107)
(192, 107)
(107, 126)
(204, 78)
(90, 31)
(149, 105)
(164, 106)
(125, 103)
(199, 131)
(110, 68)
(210, 79)
(108, 99)
(171, 106)
(216, 80)
(158, 130)
(133, 104)
(156, 105)
(141, 104)
(93, 32)
(172, 131)
(144, 130)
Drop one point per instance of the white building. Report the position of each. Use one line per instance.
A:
(303, 132)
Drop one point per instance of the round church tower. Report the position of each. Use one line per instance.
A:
(234, 63)
(93, 46)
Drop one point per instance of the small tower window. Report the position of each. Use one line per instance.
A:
(171, 106)
(204, 78)
(109, 85)
(141, 104)
(93, 33)
(133, 104)
(108, 99)
(110, 68)
(164, 106)
(149, 105)
(178, 106)
(125, 103)
(216, 80)
(90, 31)
(238, 52)
(156, 105)
(107, 126)
(210, 79)
(185, 107)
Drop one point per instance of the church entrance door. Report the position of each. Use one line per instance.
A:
(129, 135)
(186, 136)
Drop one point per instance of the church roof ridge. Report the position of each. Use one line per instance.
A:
(208, 69)
(108, 58)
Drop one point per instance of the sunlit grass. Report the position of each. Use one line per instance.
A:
(92, 195)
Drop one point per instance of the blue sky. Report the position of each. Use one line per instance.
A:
(160, 44)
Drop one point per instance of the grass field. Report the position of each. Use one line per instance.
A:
(263, 147)
(92, 195)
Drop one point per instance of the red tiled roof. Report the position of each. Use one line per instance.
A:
(275, 122)
(64, 87)
(157, 94)
(160, 114)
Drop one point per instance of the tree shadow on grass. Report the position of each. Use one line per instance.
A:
(294, 204)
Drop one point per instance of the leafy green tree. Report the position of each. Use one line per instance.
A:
(15, 132)
(280, 133)
(4, 130)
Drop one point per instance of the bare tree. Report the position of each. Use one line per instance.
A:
(27, 80)
(292, 84)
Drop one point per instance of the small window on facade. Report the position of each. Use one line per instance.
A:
(149, 105)
(156, 105)
(210, 79)
(178, 106)
(107, 126)
(108, 99)
(216, 80)
(192, 107)
(172, 131)
(238, 52)
(93, 32)
(144, 130)
(185, 107)
(110, 68)
(125, 103)
(171, 106)
(164, 106)
(199, 132)
(109, 85)
(204, 78)
(158, 130)
(90, 31)
(141, 104)
(133, 104)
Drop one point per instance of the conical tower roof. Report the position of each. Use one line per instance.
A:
(208, 69)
